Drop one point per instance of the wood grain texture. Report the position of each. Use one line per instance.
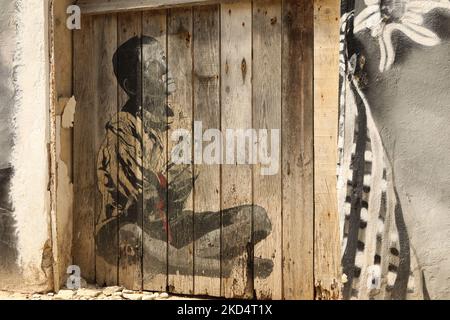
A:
(63, 50)
(130, 240)
(326, 79)
(85, 154)
(239, 65)
(104, 45)
(155, 264)
(297, 149)
(236, 93)
(267, 115)
(181, 246)
(207, 186)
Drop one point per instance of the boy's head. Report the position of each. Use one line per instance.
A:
(141, 70)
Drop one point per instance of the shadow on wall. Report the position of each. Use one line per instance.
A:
(8, 237)
(8, 233)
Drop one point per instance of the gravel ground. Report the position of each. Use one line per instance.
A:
(92, 293)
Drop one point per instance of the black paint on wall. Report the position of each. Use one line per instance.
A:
(356, 63)
(8, 236)
(8, 232)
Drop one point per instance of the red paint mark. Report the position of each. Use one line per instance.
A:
(161, 205)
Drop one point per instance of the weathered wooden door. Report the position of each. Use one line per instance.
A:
(193, 149)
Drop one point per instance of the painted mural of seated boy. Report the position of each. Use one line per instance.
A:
(139, 130)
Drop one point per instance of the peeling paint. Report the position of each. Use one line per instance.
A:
(64, 199)
(68, 115)
(47, 264)
(327, 291)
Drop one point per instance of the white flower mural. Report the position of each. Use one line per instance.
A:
(384, 17)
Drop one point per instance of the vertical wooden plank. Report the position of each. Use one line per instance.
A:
(104, 45)
(207, 185)
(267, 116)
(155, 154)
(85, 155)
(327, 262)
(63, 62)
(130, 172)
(236, 95)
(180, 200)
(297, 149)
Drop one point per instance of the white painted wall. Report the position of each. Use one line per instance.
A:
(30, 198)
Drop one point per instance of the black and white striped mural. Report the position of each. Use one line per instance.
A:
(394, 153)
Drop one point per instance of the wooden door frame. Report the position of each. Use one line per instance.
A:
(60, 144)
